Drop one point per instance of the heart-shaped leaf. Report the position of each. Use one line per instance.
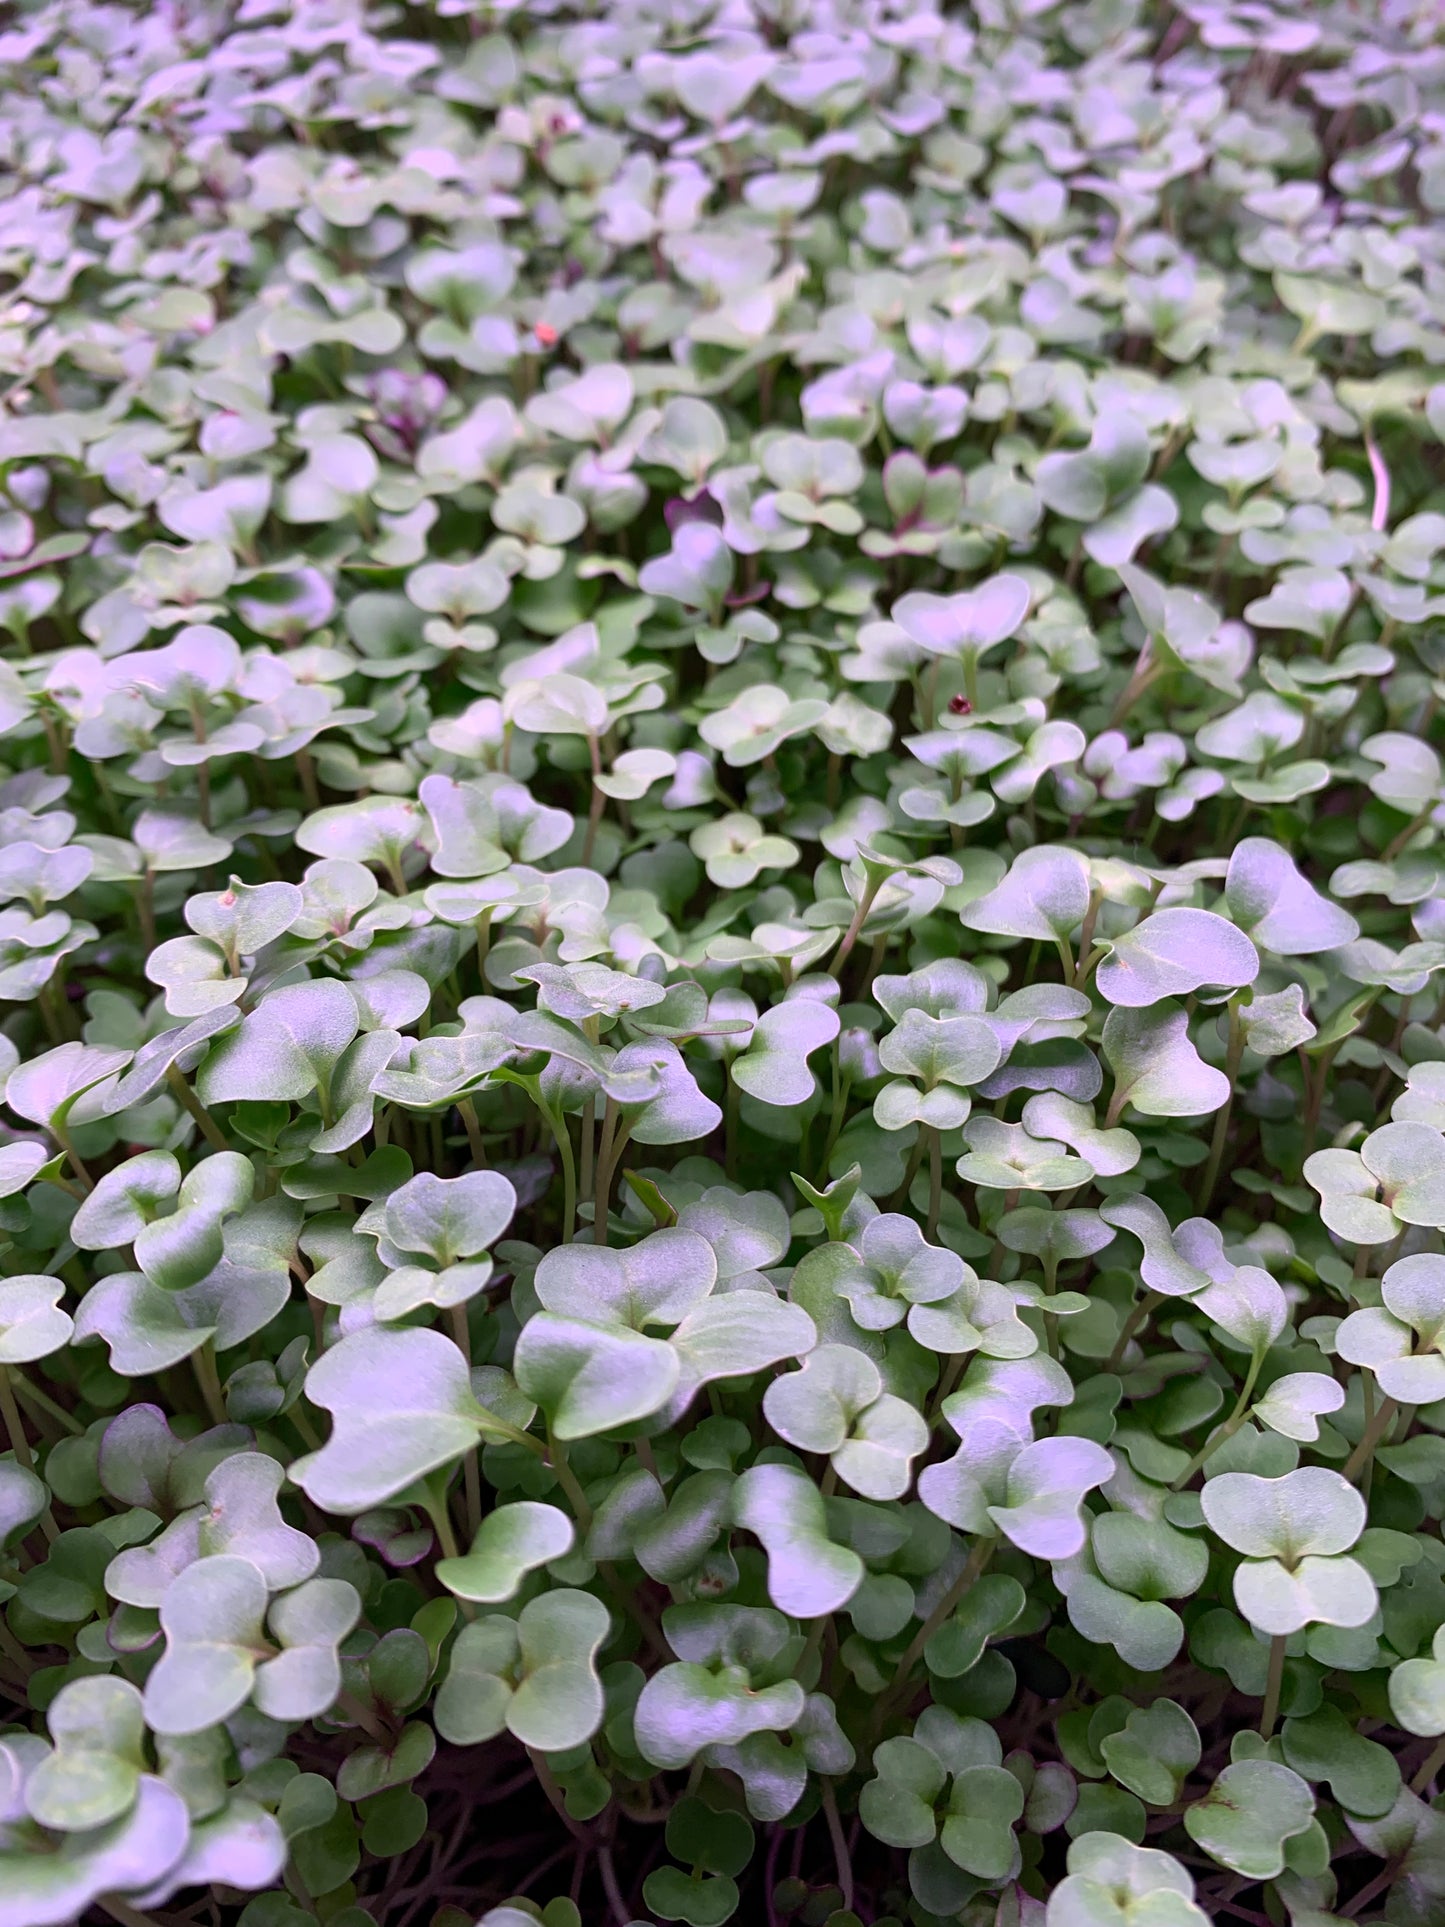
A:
(511, 1542)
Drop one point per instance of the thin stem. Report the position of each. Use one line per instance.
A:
(935, 1181)
(1382, 1882)
(1233, 1056)
(484, 944)
(208, 1379)
(359, 1712)
(979, 1555)
(1406, 836)
(589, 1120)
(841, 1856)
(1429, 1767)
(77, 1165)
(732, 1103)
(598, 804)
(952, 1373)
(29, 1394)
(1138, 1315)
(305, 1430)
(877, 951)
(835, 780)
(628, 1604)
(15, 1430)
(50, 1012)
(614, 1143)
(812, 1644)
(471, 1471)
(915, 1158)
(468, 1113)
(1086, 936)
(1357, 1466)
(569, 1181)
(1379, 470)
(306, 770)
(514, 1435)
(1315, 1095)
(15, 1652)
(556, 1123)
(441, 1520)
(841, 1086)
(970, 690)
(120, 1911)
(850, 935)
(547, 1781)
(621, 1912)
(1146, 671)
(567, 1478)
(188, 1101)
(146, 909)
(1273, 1685)
(1226, 1431)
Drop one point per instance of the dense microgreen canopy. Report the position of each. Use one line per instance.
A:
(722, 963)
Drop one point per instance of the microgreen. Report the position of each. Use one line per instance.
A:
(722, 925)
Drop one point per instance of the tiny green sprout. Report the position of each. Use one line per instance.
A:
(722, 923)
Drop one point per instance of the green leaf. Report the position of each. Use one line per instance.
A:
(774, 1067)
(181, 1248)
(1154, 1752)
(1045, 1486)
(710, 1696)
(512, 1541)
(1323, 1746)
(968, 624)
(1269, 899)
(401, 1407)
(56, 1885)
(990, 1606)
(1174, 953)
(591, 1378)
(1044, 895)
(1156, 1067)
(535, 1676)
(1110, 1882)
(1294, 1404)
(701, 1900)
(149, 1329)
(125, 1201)
(1293, 1531)
(984, 1803)
(898, 1805)
(47, 1089)
(1248, 1815)
(288, 1046)
(93, 1775)
(213, 1618)
(32, 1325)
(1417, 1691)
(808, 1574)
(303, 1680)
